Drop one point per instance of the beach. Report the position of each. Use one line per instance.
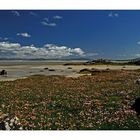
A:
(19, 69)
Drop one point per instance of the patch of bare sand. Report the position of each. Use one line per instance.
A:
(23, 71)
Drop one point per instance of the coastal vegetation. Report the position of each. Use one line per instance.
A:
(91, 102)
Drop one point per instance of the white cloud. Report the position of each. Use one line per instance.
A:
(48, 24)
(24, 34)
(78, 51)
(112, 14)
(57, 17)
(138, 43)
(32, 13)
(116, 14)
(16, 13)
(137, 55)
(63, 51)
(48, 51)
(46, 19)
(5, 38)
(7, 45)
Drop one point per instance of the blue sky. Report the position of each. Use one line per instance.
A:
(110, 34)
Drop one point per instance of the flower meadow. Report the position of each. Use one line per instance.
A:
(91, 102)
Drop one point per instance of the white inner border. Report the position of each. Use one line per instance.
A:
(70, 5)
(70, 135)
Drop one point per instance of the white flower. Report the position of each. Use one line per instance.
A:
(7, 126)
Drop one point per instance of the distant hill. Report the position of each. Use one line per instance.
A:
(135, 61)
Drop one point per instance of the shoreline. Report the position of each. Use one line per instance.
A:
(22, 69)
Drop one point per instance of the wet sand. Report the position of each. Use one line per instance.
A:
(22, 69)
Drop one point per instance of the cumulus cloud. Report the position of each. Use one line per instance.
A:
(48, 51)
(48, 24)
(57, 17)
(63, 51)
(7, 45)
(112, 14)
(24, 34)
(16, 13)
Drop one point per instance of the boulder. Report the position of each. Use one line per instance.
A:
(136, 106)
(3, 72)
(46, 68)
(2, 126)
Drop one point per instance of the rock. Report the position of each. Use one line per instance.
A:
(69, 68)
(3, 72)
(107, 69)
(137, 81)
(7, 126)
(2, 126)
(46, 68)
(136, 106)
(51, 69)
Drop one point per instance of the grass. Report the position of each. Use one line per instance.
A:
(98, 102)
